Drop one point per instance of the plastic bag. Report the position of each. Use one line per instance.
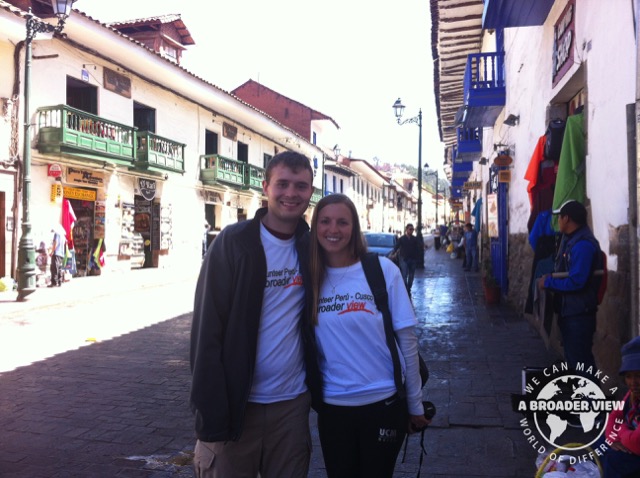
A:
(450, 247)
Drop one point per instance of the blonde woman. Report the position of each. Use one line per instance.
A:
(361, 422)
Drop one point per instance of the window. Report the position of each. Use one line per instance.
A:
(315, 138)
(342, 185)
(210, 142)
(265, 159)
(82, 96)
(170, 52)
(333, 188)
(243, 152)
(144, 118)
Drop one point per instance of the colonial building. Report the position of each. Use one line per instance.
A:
(143, 151)
(539, 109)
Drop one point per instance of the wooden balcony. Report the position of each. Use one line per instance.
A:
(156, 152)
(484, 89)
(254, 176)
(62, 129)
(216, 169)
(469, 144)
(316, 196)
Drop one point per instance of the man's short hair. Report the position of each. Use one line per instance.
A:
(575, 210)
(289, 159)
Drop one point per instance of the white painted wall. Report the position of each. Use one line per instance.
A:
(606, 47)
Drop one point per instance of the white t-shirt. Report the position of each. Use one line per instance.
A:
(279, 371)
(355, 361)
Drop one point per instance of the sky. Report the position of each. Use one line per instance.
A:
(348, 59)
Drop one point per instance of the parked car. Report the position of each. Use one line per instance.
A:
(382, 243)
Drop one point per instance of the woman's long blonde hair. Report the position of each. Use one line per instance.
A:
(316, 253)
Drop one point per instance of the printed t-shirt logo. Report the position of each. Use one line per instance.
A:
(284, 278)
(345, 303)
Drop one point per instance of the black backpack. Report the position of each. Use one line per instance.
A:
(377, 284)
(554, 136)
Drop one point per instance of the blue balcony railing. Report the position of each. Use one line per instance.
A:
(484, 89)
(469, 143)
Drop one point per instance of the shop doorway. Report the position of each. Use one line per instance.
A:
(147, 224)
(83, 235)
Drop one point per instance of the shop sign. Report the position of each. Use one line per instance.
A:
(56, 192)
(54, 170)
(81, 194)
(563, 43)
(503, 160)
(114, 81)
(504, 176)
(472, 185)
(229, 131)
(147, 188)
(212, 197)
(84, 177)
(492, 214)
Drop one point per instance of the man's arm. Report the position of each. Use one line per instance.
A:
(580, 269)
(214, 291)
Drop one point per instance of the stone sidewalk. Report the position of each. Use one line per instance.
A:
(119, 407)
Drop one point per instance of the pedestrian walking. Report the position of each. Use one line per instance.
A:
(470, 248)
(362, 422)
(575, 295)
(248, 390)
(58, 249)
(409, 252)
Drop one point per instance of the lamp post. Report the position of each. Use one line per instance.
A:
(26, 251)
(398, 109)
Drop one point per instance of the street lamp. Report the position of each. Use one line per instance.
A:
(398, 109)
(26, 251)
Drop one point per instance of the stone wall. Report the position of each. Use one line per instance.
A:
(614, 321)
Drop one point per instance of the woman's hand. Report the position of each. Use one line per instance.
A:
(418, 423)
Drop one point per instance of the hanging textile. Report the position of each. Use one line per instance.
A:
(571, 180)
(541, 174)
(534, 167)
(68, 220)
(97, 257)
(477, 214)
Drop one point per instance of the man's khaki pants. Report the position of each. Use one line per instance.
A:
(275, 443)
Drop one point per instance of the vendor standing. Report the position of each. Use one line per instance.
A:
(57, 255)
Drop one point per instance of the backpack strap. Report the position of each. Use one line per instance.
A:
(377, 284)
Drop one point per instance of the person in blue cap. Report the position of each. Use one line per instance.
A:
(575, 289)
(622, 459)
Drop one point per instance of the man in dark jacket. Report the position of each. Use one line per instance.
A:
(575, 288)
(249, 388)
(410, 249)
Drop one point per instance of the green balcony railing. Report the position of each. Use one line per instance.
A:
(156, 151)
(316, 196)
(216, 169)
(255, 177)
(62, 128)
